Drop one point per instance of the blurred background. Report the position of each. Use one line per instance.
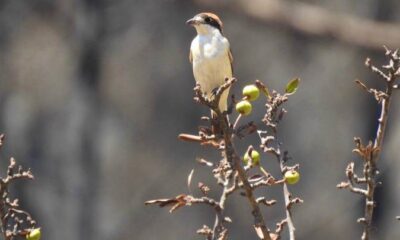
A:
(94, 93)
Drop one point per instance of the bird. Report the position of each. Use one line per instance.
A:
(210, 56)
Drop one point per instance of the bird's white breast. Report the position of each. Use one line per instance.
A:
(211, 63)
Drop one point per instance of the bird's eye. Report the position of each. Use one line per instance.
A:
(207, 19)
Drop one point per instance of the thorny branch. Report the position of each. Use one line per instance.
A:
(229, 172)
(270, 144)
(14, 221)
(370, 153)
(233, 161)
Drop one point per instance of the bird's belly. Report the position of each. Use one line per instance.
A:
(211, 72)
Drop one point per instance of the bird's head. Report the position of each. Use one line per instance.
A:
(206, 23)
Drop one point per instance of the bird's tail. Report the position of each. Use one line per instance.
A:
(223, 101)
(215, 124)
(223, 106)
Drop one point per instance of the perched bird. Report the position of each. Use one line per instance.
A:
(210, 55)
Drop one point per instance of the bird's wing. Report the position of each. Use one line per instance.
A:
(230, 59)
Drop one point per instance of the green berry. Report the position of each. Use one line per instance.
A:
(34, 234)
(292, 176)
(243, 107)
(255, 158)
(251, 92)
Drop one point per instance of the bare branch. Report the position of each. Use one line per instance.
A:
(370, 153)
(376, 70)
(229, 172)
(270, 144)
(15, 222)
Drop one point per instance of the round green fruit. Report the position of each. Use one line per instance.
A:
(243, 107)
(255, 158)
(292, 177)
(251, 92)
(34, 234)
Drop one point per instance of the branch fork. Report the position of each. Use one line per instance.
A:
(229, 172)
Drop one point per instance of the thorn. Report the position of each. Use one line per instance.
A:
(362, 220)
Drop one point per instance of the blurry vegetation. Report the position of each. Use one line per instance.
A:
(93, 94)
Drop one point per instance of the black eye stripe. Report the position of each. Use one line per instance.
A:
(213, 23)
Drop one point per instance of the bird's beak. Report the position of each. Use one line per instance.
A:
(193, 21)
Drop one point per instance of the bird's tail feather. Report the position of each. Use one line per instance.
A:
(223, 106)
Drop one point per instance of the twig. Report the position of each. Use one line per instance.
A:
(219, 228)
(270, 144)
(370, 153)
(234, 160)
(370, 170)
(14, 221)
(289, 220)
(229, 172)
(237, 121)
